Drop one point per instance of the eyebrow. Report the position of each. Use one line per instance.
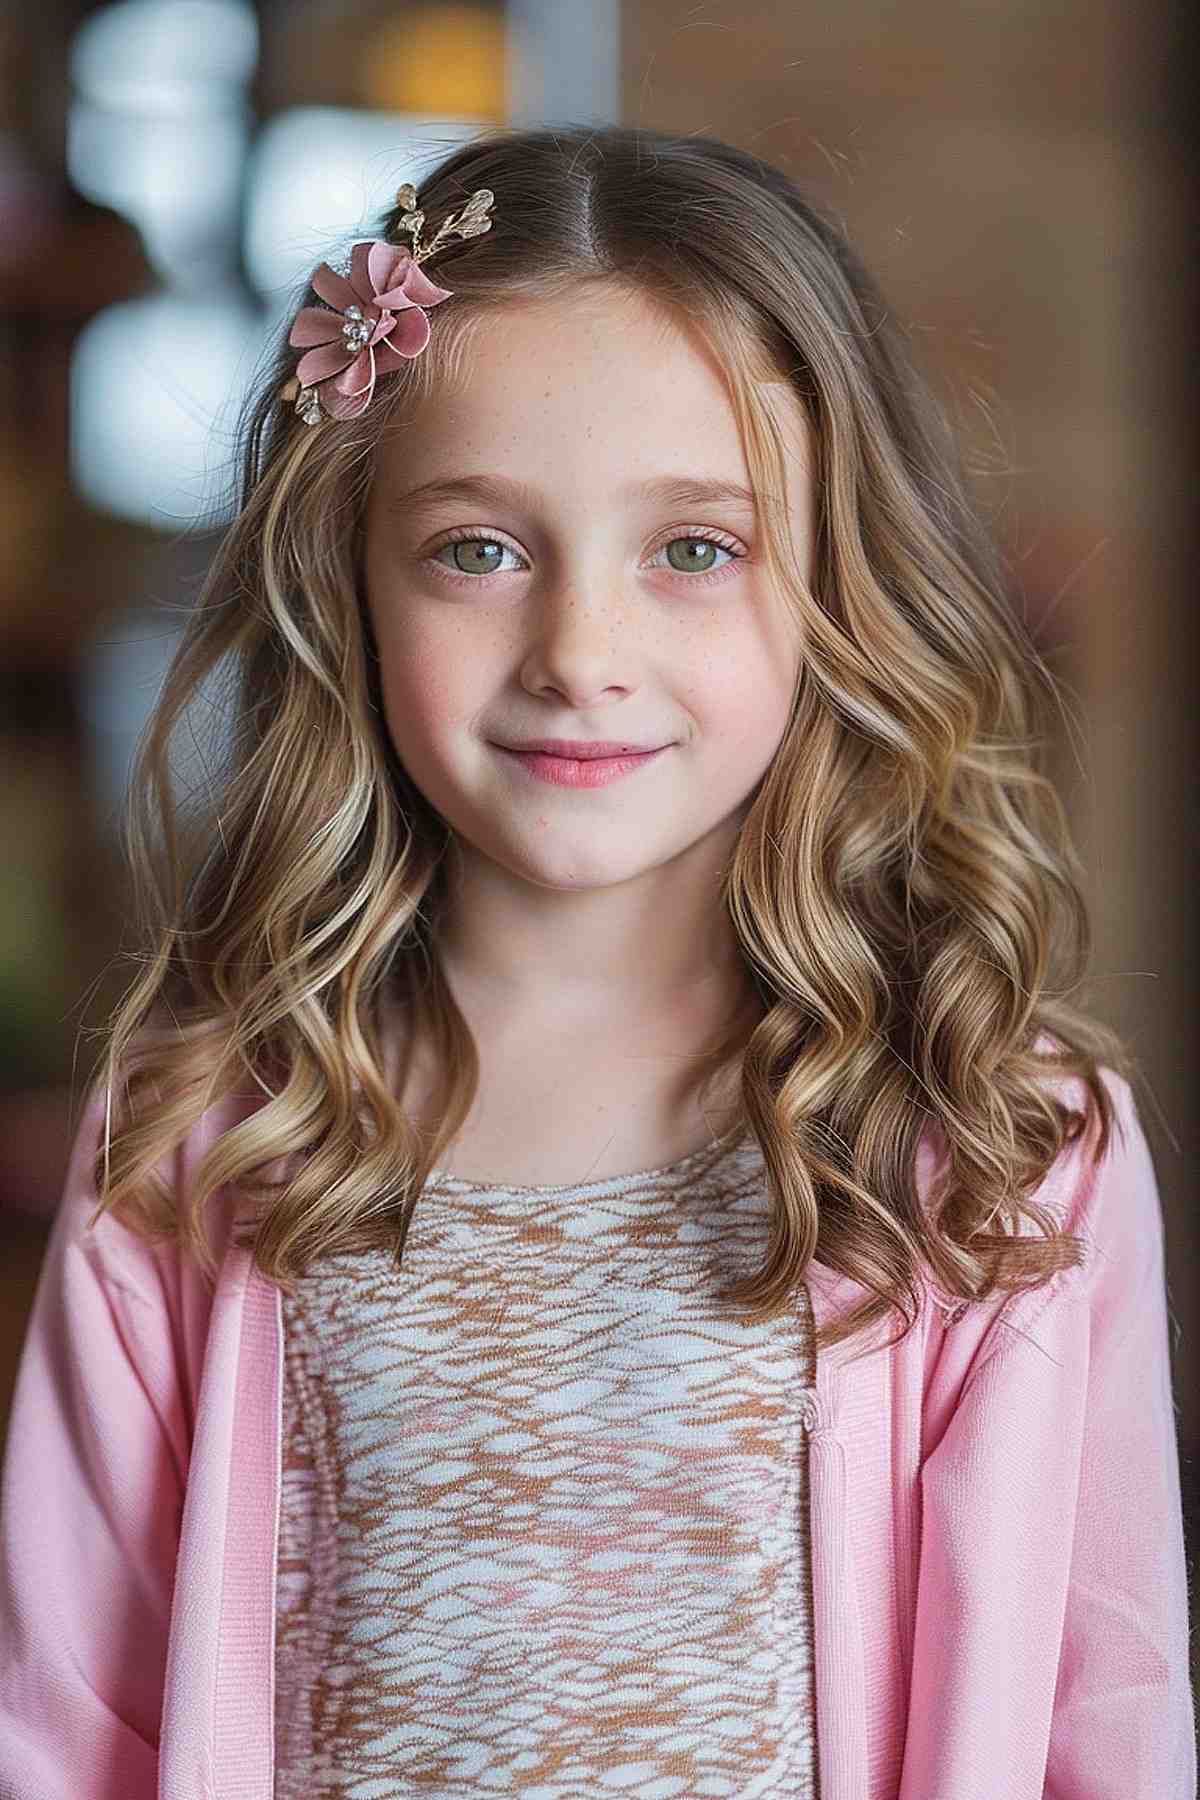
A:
(501, 490)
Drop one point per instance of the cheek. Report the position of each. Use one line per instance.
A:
(428, 682)
(745, 695)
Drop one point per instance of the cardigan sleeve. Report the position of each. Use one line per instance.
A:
(1052, 1610)
(1123, 1717)
(90, 1507)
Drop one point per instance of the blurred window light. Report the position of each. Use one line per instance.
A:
(320, 176)
(164, 56)
(155, 386)
(179, 183)
(158, 127)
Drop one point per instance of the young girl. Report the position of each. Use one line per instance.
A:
(621, 965)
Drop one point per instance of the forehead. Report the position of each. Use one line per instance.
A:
(603, 391)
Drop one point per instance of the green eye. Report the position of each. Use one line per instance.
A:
(696, 549)
(475, 555)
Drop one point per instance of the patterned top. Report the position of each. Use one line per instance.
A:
(544, 1519)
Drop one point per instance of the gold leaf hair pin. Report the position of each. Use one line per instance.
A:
(375, 318)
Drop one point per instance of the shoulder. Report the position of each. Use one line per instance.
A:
(120, 1255)
(1109, 1198)
(1105, 1195)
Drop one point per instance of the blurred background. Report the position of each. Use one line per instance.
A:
(1019, 174)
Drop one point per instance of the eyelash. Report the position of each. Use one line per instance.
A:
(465, 535)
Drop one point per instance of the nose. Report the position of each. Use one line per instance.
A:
(579, 638)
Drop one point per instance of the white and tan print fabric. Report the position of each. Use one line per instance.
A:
(544, 1518)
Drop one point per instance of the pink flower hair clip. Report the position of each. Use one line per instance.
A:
(375, 318)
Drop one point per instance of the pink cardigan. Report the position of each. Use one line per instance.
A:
(999, 1581)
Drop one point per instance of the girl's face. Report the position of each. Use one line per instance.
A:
(558, 589)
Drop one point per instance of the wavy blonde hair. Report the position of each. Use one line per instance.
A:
(903, 889)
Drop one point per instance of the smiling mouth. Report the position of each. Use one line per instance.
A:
(581, 751)
(581, 772)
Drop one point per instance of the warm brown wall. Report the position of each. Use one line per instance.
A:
(1017, 176)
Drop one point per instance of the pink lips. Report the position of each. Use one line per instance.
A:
(582, 772)
(581, 750)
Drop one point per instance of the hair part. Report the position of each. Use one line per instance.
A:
(904, 888)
